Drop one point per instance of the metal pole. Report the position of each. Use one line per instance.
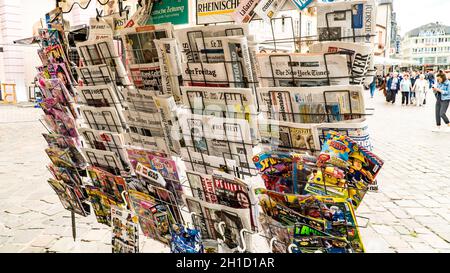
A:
(74, 228)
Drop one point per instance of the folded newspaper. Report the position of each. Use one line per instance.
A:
(106, 160)
(207, 164)
(170, 62)
(360, 57)
(347, 21)
(98, 96)
(295, 69)
(187, 37)
(101, 74)
(102, 118)
(324, 104)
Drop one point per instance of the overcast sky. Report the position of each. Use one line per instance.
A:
(415, 13)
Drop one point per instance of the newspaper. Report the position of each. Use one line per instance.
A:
(205, 74)
(349, 21)
(102, 118)
(169, 120)
(103, 51)
(105, 160)
(125, 231)
(289, 137)
(140, 42)
(98, 96)
(187, 37)
(312, 104)
(267, 9)
(137, 137)
(215, 11)
(106, 141)
(170, 62)
(149, 122)
(217, 128)
(206, 217)
(93, 75)
(140, 100)
(203, 163)
(147, 76)
(230, 102)
(234, 51)
(355, 129)
(245, 11)
(202, 186)
(140, 17)
(360, 57)
(296, 69)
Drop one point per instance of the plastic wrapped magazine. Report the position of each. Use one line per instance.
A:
(303, 70)
(360, 58)
(185, 240)
(356, 129)
(349, 21)
(125, 232)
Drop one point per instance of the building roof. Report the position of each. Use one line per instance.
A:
(431, 26)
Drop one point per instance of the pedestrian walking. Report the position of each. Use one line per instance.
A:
(393, 86)
(420, 87)
(373, 87)
(405, 88)
(442, 92)
(414, 78)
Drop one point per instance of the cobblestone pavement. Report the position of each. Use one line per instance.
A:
(410, 213)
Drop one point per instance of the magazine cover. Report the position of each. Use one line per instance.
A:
(154, 218)
(67, 175)
(110, 184)
(303, 70)
(357, 129)
(101, 204)
(125, 232)
(71, 197)
(67, 144)
(185, 240)
(208, 216)
(360, 57)
(349, 21)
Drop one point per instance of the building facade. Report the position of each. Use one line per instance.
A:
(429, 45)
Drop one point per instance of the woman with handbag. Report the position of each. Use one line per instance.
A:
(421, 88)
(442, 92)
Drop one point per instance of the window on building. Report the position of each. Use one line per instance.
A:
(442, 60)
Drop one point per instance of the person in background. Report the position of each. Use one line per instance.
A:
(420, 87)
(393, 86)
(373, 87)
(405, 88)
(414, 77)
(442, 92)
(430, 78)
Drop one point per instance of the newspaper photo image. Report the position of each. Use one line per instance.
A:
(361, 57)
(349, 21)
(187, 37)
(312, 104)
(303, 70)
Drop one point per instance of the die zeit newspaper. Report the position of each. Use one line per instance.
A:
(324, 104)
(295, 69)
(360, 57)
(186, 37)
(350, 21)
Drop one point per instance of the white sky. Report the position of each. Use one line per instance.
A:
(415, 13)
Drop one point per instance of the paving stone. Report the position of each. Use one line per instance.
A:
(43, 241)
(435, 241)
(384, 230)
(418, 212)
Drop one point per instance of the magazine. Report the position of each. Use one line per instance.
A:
(106, 141)
(101, 204)
(137, 155)
(71, 197)
(110, 184)
(187, 37)
(207, 217)
(349, 21)
(125, 232)
(67, 175)
(302, 70)
(360, 57)
(68, 145)
(102, 118)
(150, 174)
(324, 104)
